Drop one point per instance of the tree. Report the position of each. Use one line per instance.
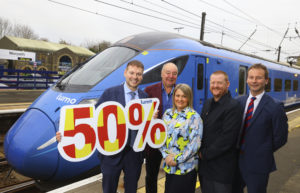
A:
(95, 46)
(44, 39)
(17, 30)
(24, 31)
(5, 27)
(61, 41)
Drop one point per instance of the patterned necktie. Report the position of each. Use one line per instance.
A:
(247, 120)
(132, 95)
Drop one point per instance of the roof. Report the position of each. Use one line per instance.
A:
(47, 46)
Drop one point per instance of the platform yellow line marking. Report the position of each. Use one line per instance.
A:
(296, 127)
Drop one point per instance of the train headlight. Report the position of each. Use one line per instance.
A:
(89, 101)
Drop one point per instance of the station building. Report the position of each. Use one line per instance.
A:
(26, 54)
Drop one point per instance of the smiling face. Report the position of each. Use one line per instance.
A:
(181, 100)
(218, 85)
(133, 76)
(256, 81)
(169, 75)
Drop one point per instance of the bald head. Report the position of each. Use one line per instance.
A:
(169, 74)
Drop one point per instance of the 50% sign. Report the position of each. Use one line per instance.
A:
(85, 129)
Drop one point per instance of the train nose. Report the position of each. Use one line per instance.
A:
(29, 132)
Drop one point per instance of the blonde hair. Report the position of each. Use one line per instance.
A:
(187, 91)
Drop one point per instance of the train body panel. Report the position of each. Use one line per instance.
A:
(85, 84)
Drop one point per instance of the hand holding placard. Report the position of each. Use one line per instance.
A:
(85, 129)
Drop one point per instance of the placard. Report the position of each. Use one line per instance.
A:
(85, 129)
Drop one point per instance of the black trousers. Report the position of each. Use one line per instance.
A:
(210, 186)
(181, 183)
(153, 161)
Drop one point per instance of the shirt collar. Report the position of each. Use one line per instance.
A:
(258, 97)
(163, 88)
(127, 90)
(222, 100)
(184, 111)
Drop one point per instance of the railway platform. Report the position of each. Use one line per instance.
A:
(284, 180)
(16, 101)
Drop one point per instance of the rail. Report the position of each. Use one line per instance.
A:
(27, 79)
(18, 187)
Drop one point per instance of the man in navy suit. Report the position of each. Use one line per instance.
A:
(163, 91)
(128, 160)
(263, 132)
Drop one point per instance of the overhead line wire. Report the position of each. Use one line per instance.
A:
(222, 27)
(239, 16)
(201, 17)
(146, 14)
(254, 19)
(96, 13)
(171, 10)
(158, 12)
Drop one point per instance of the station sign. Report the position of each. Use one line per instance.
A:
(17, 55)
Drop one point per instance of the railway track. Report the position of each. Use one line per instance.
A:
(10, 181)
(24, 187)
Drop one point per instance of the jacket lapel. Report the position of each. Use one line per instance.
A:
(258, 109)
(121, 95)
(244, 101)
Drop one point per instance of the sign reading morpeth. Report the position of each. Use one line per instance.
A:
(16, 55)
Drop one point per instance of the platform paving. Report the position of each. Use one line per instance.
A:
(285, 180)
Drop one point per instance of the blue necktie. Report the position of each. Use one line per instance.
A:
(247, 122)
(132, 95)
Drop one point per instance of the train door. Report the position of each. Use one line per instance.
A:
(199, 83)
(242, 80)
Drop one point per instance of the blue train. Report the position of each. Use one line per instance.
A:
(85, 83)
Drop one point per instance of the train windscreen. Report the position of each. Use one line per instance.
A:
(96, 69)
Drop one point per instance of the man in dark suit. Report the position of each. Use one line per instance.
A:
(127, 160)
(163, 91)
(264, 131)
(222, 118)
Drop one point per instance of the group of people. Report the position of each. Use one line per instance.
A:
(229, 146)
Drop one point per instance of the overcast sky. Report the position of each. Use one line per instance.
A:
(78, 21)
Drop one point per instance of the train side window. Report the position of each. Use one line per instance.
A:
(154, 75)
(277, 84)
(287, 85)
(295, 85)
(200, 77)
(268, 86)
(242, 80)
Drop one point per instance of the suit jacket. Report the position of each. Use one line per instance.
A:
(267, 132)
(155, 91)
(116, 94)
(221, 125)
